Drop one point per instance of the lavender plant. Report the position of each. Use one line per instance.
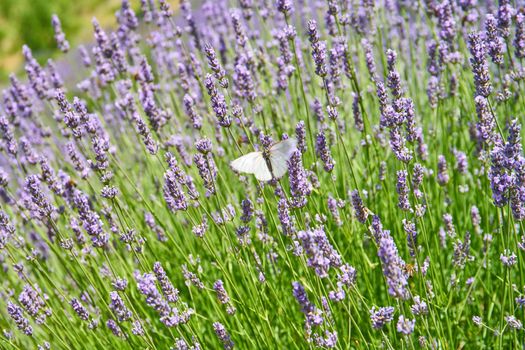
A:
(399, 222)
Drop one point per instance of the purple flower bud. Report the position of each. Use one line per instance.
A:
(79, 309)
(8, 135)
(393, 77)
(398, 146)
(323, 152)
(170, 293)
(405, 325)
(60, 37)
(519, 38)
(505, 14)
(204, 145)
(223, 335)
(381, 316)
(300, 134)
(173, 194)
(90, 219)
(17, 314)
(218, 102)
(402, 190)
(479, 64)
(84, 56)
(215, 66)
(321, 254)
(189, 106)
(101, 38)
(244, 81)
(114, 328)
(191, 278)
(318, 49)
(37, 201)
(446, 21)
(508, 258)
(513, 322)
(240, 32)
(207, 171)
(300, 187)
(358, 118)
(393, 267)
(360, 210)
(486, 124)
(442, 174)
(420, 307)
(119, 308)
(369, 58)
(285, 7)
(312, 313)
(283, 212)
(495, 44)
(461, 161)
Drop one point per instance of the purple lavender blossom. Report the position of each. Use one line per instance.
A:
(519, 38)
(419, 307)
(91, 220)
(405, 325)
(216, 67)
(323, 152)
(381, 316)
(393, 267)
(223, 335)
(223, 297)
(321, 254)
(170, 293)
(318, 49)
(508, 258)
(369, 58)
(442, 174)
(60, 37)
(114, 328)
(479, 64)
(283, 213)
(461, 161)
(218, 102)
(189, 106)
(79, 309)
(37, 201)
(513, 322)
(17, 314)
(173, 194)
(505, 14)
(32, 301)
(207, 171)
(300, 187)
(398, 145)
(393, 77)
(403, 190)
(119, 308)
(486, 124)
(300, 134)
(495, 43)
(360, 210)
(410, 229)
(285, 7)
(312, 314)
(507, 172)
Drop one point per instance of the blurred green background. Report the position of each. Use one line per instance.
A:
(29, 22)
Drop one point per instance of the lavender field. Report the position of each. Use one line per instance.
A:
(384, 209)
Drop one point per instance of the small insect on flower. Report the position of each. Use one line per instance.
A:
(268, 164)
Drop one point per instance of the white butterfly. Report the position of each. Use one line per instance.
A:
(254, 162)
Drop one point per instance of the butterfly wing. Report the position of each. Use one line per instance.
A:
(252, 163)
(279, 155)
